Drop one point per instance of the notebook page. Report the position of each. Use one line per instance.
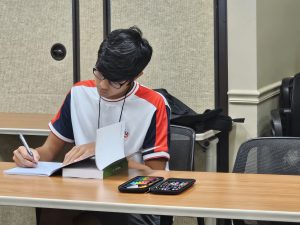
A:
(42, 169)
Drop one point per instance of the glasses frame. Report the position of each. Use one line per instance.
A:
(114, 84)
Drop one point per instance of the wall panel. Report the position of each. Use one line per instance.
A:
(30, 80)
(181, 34)
(91, 35)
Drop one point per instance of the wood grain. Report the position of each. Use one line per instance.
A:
(224, 195)
(26, 123)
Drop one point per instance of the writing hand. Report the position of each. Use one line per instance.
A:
(23, 159)
(79, 152)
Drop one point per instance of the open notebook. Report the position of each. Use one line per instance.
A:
(42, 169)
(109, 158)
(85, 168)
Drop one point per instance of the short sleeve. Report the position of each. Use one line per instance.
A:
(157, 140)
(61, 124)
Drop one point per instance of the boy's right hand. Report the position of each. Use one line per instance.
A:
(23, 159)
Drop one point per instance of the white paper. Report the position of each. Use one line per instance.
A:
(42, 169)
(110, 144)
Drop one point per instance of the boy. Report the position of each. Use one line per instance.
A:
(112, 97)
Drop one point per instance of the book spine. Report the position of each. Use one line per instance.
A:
(115, 168)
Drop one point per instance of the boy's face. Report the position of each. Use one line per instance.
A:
(109, 89)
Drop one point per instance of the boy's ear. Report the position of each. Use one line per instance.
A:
(141, 73)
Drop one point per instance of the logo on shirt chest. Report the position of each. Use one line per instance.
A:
(126, 134)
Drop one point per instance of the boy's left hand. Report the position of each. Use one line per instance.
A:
(79, 152)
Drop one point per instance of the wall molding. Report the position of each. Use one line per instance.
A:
(253, 97)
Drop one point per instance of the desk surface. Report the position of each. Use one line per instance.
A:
(37, 124)
(26, 123)
(219, 195)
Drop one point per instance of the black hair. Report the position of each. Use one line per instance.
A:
(123, 54)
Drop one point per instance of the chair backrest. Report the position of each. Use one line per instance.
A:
(182, 140)
(269, 155)
(286, 120)
(295, 107)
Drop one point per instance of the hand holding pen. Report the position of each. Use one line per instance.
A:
(24, 156)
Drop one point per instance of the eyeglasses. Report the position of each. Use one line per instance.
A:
(114, 84)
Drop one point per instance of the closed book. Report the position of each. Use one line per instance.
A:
(88, 169)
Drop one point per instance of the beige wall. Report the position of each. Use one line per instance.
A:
(181, 34)
(242, 50)
(278, 44)
(30, 80)
(91, 35)
(263, 48)
(13, 215)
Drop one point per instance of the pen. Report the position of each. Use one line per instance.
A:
(26, 145)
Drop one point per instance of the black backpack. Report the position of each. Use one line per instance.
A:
(210, 119)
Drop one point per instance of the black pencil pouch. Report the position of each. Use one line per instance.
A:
(172, 186)
(139, 184)
(156, 185)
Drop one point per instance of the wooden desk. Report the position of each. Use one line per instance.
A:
(218, 195)
(25, 123)
(37, 124)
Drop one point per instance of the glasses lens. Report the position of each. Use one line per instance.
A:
(98, 75)
(116, 85)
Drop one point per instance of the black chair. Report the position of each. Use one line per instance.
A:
(182, 140)
(268, 155)
(286, 119)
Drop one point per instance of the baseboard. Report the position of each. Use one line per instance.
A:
(254, 97)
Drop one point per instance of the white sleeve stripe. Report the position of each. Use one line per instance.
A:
(156, 155)
(59, 135)
(144, 151)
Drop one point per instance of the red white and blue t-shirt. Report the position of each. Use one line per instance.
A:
(145, 112)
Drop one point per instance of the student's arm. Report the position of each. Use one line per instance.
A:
(156, 164)
(46, 152)
(151, 164)
(52, 146)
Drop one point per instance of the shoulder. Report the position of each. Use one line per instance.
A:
(151, 96)
(83, 90)
(85, 83)
(85, 86)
